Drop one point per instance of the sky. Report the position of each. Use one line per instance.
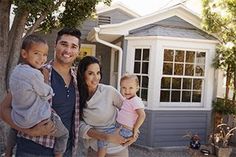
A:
(144, 7)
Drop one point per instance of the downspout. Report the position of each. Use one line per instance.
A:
(115, 47)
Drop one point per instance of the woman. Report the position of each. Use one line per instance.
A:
(98, 110)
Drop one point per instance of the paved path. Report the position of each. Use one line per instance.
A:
(135, 151)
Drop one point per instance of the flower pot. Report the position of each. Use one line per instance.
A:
(195, 144)
(223, 152)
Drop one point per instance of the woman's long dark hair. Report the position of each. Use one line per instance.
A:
(82, 86)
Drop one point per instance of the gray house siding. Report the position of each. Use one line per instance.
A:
(87, 26)
(117, 16)
(167, 128)
(171, 27)
(103, 53)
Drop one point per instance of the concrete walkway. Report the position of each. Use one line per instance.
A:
(136, 151)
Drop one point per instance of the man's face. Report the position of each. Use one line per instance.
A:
(66, 49)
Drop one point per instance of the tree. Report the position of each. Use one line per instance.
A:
(32, 15)
(219, 18)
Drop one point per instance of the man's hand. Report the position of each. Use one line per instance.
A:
(45, 127)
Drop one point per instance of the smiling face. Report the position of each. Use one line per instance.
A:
(92, 76)
(36, 55)
(67, 49)
(129, 87)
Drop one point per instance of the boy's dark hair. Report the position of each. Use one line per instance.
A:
(69, 31)
(30, 39)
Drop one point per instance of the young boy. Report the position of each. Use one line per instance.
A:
(131, 115)
(31, 95)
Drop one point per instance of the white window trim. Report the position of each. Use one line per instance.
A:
(195, 104)
(157, 45)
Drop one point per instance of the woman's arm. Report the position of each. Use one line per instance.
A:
(88, 132)
(113, 138)
(43, 128)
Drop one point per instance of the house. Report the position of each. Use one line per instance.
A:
(171, 55)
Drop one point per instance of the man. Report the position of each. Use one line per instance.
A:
(62, 79)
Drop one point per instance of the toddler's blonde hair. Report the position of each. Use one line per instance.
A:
(127, 76)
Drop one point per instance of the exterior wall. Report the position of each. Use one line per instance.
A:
(167, 128)
(174, 27)
(157, 46)
(87, 26)
(166, 123)
(103, 53)
(117, 16)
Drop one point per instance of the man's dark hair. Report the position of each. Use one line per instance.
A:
(29, 40)
(69, 31)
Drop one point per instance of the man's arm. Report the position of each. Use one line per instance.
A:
(43, 128)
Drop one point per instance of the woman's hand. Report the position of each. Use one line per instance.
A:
(116, 137)
(131, 140)
(45, 127)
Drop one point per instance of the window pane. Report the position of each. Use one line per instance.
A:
(145, 68)
(176, 83)
(145, 81)
(197, 84)
(137, 54)
(187, 83)
(168, 55)
(189, 70)
(196, 96)
(146, 54)
(179, 56)
(165, 96)
(144, 94)
(201, 58)
(199, 70)
(190, 56)
(165, 83)
(186, 96)
(179, 69)
(167, 68)
(175, 96)
(137, 67)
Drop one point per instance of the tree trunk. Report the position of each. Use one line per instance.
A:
(5, 6)
(17, 31)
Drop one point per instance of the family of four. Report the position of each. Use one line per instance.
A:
(50, 105)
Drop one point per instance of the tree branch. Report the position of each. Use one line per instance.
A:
(36, 24)
(42, 17)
